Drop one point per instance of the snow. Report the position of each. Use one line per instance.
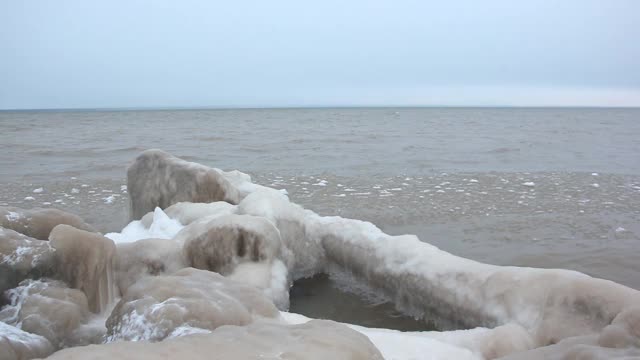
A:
(109, 199)
(162, 227)
(38, 190)
(397, 345)
(75, 191)
(529, 184)
(29, 198)
(13, 216)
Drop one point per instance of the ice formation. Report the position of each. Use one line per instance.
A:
(84, 260)
(22, 257)
(316, 340)
(157, 179)
(154, 307)
(16, 344)
(47, 308)
(249, 242)
(38, 223)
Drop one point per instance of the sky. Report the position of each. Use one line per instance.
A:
(289, 53)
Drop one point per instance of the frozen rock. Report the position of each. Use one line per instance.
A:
(154, 307)
(249, 248)
(16, 344)
(47, 308)
(315, 340)
(230, 240)
(296, 226)
(84, 260)
(421, 279)
(158, 179)
(148, 257)
(37, 222)
(22, 257)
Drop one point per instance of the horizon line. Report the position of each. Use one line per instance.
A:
(183, 108)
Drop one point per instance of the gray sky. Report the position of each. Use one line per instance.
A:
(128, 53)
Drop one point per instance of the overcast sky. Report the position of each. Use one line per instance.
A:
(128, 53)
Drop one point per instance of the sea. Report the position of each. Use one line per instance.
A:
(535, 187)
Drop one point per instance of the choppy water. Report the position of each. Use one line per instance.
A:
(527, 187)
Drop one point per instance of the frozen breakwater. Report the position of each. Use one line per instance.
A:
(189, 275)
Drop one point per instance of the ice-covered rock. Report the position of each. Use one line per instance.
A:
(47, 308)
(421, 279)
(38, 223)
(158, 179)
(316, 340)
(16, 344)
(147, 257)
(84, 260)
(296, 226)
(154, 307)
(22, 257)
(249, 248)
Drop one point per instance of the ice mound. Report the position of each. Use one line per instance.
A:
(154, 307)
(296, 226)
(22, 257)
(231, 240)
(147, 257)
(158, 179)
(84, 260)
(316, 340)
(38, 223)
(47, 308)
(16, 344)
(247, 248)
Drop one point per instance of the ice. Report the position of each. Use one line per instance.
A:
(19, 344)
(109, 199)
(13, 216)
(38, 190)
(162, 227)
(29, 198)
(75, 191)
(508, 310)
(476, 344)
(595, 185)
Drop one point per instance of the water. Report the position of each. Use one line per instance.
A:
(526, 187)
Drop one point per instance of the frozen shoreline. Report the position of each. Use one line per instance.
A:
(265, 241)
